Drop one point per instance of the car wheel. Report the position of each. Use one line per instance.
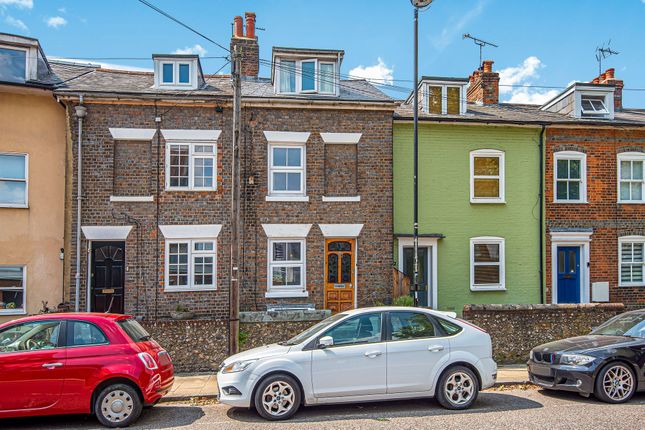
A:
(458, 388)
(277, 397)
(615, 383)
(118, 405)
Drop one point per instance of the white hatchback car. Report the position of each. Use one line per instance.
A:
(369, 354)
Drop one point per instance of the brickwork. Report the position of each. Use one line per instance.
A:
(484, 85)
(138, 169)
(608, 219)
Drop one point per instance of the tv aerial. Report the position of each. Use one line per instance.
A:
(602, 53)
(481, 43)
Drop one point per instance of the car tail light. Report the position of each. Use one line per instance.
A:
(472, 325)
(148, 361)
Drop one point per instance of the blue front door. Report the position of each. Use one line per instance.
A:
(568, 274)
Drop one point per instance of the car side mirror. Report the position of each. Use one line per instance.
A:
(325, 342)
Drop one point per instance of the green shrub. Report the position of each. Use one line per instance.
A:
(404, 301)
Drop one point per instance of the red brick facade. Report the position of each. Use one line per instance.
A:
(602, 215)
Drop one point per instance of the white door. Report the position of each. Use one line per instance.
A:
(355, 365)
(415, 352)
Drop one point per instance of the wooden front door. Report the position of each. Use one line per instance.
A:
(340, 282)
(108, 277)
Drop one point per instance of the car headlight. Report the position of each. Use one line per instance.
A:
(237, 366)
(576, 359)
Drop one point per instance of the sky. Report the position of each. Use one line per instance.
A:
(540, 43)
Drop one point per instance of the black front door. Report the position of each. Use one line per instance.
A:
(108, 277)
(408, 269)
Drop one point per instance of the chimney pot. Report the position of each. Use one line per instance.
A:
(237, 27)
(250, 24)
(609, 73)
(595, 81)
(603, 78)
(487, 66)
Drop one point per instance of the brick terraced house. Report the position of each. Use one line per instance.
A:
(155, 184)
(595, 196)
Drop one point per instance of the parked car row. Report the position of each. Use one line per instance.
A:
(108, 365)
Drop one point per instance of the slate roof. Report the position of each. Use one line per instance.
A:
(511, 113)
(88, 79)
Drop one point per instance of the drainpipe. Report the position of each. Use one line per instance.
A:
(81, 112)
(540, 229)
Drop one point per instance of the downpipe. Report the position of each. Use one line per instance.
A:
(81, 112)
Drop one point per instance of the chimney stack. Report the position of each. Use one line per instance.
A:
(248, 45)
(609, 77)
(484, 85)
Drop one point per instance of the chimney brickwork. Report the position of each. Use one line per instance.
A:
(248, 44)
(484, 85)
(609, 78)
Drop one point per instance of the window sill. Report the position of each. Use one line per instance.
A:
(285, 294)
(630, 202)
(491, 201)
(188, 289)
(571, 202)
(287, 198)
(341, 198)
(485, 288)
(194, 190)
(12, 312)
(2, 205)
(631, 285)
(132, 199)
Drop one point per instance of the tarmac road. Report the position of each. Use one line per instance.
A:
(514, 409)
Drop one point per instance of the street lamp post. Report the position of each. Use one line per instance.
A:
(418, 4)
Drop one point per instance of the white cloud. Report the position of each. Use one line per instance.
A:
(379, 73)
(455, 26)
(196, 49)
(524, 74)
(24, 4)
(56, 21)
(14, 22)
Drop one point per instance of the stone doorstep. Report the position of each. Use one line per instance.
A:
(204, 386)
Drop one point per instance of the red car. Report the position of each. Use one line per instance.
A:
(80, 363)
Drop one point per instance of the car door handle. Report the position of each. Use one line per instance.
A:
(435, 348)
(52, 365)
(373, 354)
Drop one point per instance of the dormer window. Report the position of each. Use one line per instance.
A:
(177, 72)
(443, 96)
(593, 105)
(306, 71)
(13, 64)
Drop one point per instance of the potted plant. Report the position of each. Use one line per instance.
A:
(182, 312)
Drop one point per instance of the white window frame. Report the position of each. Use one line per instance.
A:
(302, 169)
(22, 311)
(192, 155)
(630, 156)
(298, 74)
(570, 155)
(27, 52)
(501, 177)
(444, 96)
(175, 74)
(488, 240)
(594, 113)
(26, 181)
(631, 240)
(191, 265)
(287, 291)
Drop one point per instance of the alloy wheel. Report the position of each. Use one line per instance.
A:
(278, 398)
(459, 388)
(618, 383)
(117, 406)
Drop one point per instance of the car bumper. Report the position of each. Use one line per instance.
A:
(578, 379)
(236, 389)
(487, 371)
(158, 386)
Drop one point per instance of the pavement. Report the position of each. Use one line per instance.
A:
(498, 408)
(204, 385)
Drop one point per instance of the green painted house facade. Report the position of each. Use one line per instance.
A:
(479, 206)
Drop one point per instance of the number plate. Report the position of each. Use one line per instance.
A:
(540, 370)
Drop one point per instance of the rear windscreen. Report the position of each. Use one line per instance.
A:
(134, 330)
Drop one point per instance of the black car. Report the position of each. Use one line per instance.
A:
(608, 363)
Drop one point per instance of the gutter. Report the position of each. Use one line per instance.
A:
(81, 112)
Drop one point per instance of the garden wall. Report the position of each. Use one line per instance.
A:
(516, 329)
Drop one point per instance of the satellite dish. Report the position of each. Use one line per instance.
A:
(420, 3)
